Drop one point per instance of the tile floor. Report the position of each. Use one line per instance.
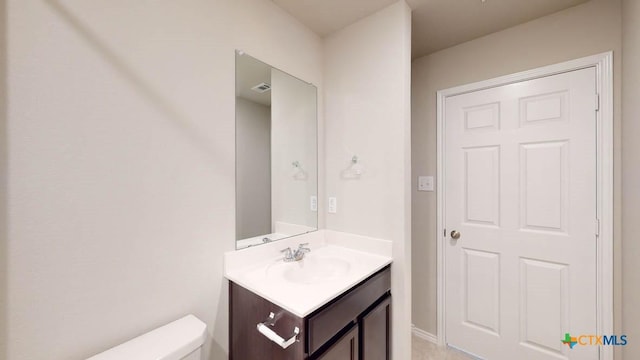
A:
(424, 350)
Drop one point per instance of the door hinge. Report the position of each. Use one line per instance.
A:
(597, 227)
(597, 102)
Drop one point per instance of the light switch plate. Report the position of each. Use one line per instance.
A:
(333, 205)
(313, 203)
(425, 183)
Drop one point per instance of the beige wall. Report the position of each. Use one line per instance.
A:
(121, 164)
(587, 29)
(367, 112)
(253, 169)
(3, 180)
(631, 176)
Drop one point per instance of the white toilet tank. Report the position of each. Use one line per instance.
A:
(179, 340)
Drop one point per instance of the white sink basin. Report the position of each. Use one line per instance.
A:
(310, 270)
(302, 287)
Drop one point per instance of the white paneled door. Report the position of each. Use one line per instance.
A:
(520, 195)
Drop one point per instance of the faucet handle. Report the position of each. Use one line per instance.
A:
(303, 247)
(288, 254)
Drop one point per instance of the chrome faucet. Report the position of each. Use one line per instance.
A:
(290, 255)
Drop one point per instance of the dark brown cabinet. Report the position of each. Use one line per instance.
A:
(345, 348)
(375, 329)
(355, 325)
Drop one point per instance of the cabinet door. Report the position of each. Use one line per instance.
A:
(346, 348)
(376, 332)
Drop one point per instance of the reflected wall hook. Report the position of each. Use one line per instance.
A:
(299, 173)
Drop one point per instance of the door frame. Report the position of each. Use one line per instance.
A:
(603, 64)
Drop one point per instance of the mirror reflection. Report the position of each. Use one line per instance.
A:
(276, 154)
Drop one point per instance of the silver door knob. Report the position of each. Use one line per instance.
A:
(455, 235)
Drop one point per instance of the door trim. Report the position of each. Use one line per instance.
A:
(603, 64)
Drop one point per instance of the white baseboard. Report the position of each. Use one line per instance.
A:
(424, 335)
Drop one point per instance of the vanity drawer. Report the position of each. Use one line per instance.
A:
(323, 325)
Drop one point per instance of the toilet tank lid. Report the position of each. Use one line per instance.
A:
(170, 342)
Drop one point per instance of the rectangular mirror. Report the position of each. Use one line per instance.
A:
(276, 154)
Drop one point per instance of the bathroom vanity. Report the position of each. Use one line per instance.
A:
(333, 304)
(330, 300)
(356, 322)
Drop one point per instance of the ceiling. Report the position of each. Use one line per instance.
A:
(437, 24)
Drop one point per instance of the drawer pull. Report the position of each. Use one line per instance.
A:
(264, 329)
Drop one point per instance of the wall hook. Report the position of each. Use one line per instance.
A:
(354, 170)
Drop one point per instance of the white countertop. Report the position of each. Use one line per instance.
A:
(259, 269)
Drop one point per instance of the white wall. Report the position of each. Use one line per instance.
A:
(367, 112)
(293, 138)
(631, 176)
(120, 138)
(253, 169)
(587, 29)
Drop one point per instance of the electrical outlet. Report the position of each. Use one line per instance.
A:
(314, 203)
(333, 205)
